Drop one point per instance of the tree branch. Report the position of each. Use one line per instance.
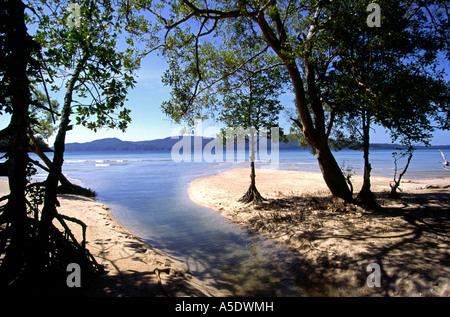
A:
(216, 14)
(236, 70)
(280, 27)
(312, 29)
(297, 122)
(269, 35)
(330, 123)
(197, 63)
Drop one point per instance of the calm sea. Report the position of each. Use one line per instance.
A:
(148, 194)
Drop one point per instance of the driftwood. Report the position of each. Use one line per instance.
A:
(445, 163)
(436, 186)
(158, 276)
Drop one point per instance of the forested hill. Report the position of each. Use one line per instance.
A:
(115, 144)
(166, 144)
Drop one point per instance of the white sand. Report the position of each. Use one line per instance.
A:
(409, 239)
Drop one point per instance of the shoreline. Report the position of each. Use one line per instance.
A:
(134, 268)
(335, 242)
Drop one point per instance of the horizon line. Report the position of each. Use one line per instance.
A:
(209, 137)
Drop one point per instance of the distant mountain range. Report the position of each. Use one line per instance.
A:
(115, 144)
(166, 144)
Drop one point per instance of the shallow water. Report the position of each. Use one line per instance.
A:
(148, 194)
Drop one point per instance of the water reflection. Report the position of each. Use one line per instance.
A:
(239, 262)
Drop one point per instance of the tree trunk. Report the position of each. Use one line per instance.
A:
(252, 194)
(318, 139)
(15, 212)
(366, 196)
(66, 186)
(315, 134)
(332, 173)
(313, 130)
(51, 184)
(57, 249)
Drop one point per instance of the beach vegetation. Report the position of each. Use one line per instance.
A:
(254, 107)
(15, 97)
(286, 35)
(73, 55)
(338, 66)
(387, 76)
(408, 153)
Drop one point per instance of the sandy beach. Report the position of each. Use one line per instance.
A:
(409, 239)
(134, 268)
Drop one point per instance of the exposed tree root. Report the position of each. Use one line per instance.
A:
(252, 195)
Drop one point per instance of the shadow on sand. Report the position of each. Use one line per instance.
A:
(408, 238)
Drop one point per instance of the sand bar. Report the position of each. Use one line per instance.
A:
(409, 239)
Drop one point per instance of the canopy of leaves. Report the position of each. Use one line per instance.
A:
(206, 42)
(391, 72)
(108, 71)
